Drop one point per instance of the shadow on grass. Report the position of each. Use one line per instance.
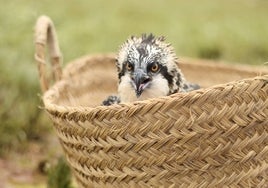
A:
(210, 52)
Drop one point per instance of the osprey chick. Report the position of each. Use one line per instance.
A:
(147, 68)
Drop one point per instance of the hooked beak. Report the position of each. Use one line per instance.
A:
(141, 81)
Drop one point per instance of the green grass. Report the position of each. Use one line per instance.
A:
(233, 31)
(60, 175)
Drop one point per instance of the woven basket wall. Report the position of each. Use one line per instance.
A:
(213, 137)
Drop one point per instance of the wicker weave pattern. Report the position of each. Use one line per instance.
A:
(213, 137)
(196, 139)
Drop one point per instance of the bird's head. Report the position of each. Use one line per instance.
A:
(147, 67)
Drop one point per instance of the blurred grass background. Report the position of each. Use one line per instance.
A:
(230, 30)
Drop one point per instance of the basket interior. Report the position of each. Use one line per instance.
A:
(87, 81)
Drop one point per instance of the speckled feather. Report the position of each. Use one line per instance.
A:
(141, 52)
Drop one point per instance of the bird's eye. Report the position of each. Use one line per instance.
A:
(129, 66)
(155, 67)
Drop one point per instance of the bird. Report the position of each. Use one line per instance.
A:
(147, 67)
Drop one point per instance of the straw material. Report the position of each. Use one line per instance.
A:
(213, 137)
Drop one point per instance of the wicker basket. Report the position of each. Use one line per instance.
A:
(213, 137)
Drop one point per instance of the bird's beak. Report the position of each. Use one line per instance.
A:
(141, 81)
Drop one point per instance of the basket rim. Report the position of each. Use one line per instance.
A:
(89, 113)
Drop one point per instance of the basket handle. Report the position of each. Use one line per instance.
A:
(45, 35)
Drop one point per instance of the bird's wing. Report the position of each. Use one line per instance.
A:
(112, 99)
(187, 86)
